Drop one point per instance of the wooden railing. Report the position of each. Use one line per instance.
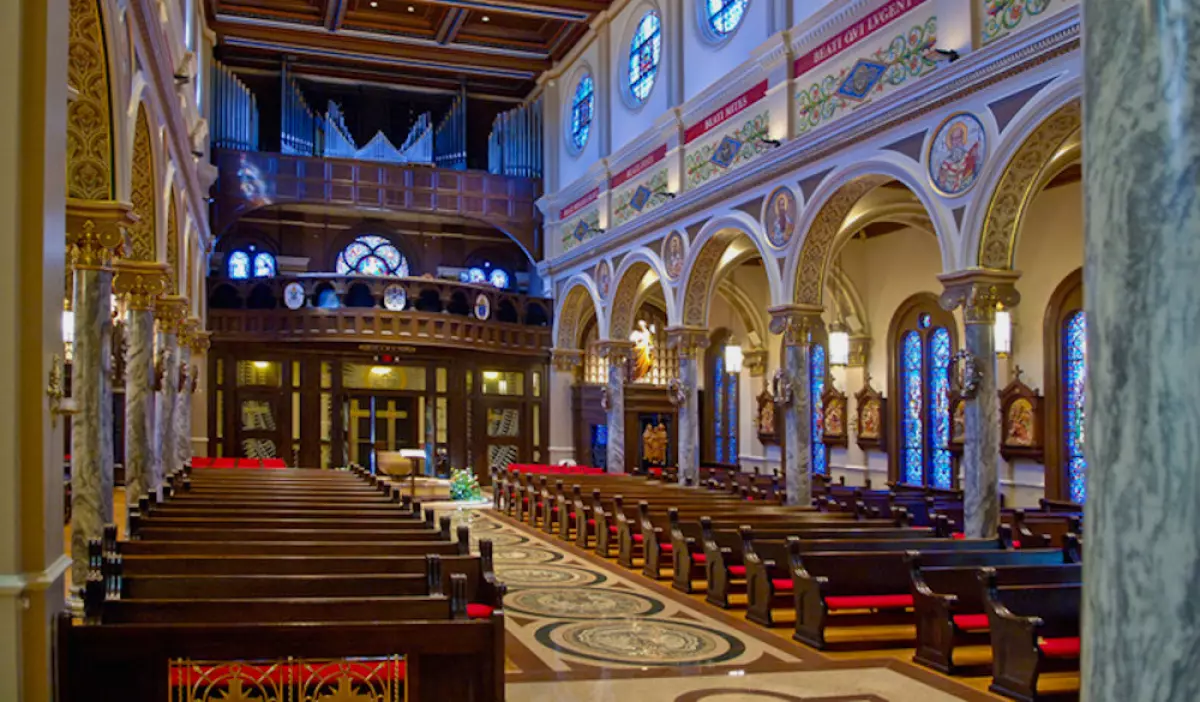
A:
(377, 326)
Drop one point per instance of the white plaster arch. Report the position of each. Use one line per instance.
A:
(584, 282)
(643, 254)
(894, 166)
(698, 263)
(1045, 104)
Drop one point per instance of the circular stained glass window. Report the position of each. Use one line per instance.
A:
(724, 16)
(644, 51)
(499, 279)
(372, 255)
(581, 110)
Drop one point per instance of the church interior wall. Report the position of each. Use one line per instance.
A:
(629, 118)
(719, 57)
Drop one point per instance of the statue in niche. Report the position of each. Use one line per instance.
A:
(643, 350)
(654, 443)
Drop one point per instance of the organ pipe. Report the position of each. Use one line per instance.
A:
(515, 144)
(450, 136)
(235, 111)
(303, 131)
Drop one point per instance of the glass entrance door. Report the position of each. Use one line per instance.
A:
(377, 422)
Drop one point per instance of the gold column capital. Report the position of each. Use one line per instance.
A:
(860, 351)
(170, 311)
(96, 231)
(199, 339)
(978, 291)
(756, 362)
(140, 282)
(795, 322)
(687, 341)
(615, 351)
(566, 360)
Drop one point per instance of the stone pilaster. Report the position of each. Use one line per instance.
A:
(564, 373)
(170, 313)
(1141, 294)
(617, 355)
(689, 343)
(139, 283)
(979, 292)
(95, 232)
(200, 343)
(795, 323)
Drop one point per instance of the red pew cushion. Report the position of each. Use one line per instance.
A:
(638, 538)
(739, 571)
(478, 611)
(971, 622)
(699, 558)
(571, 515)
(782, 584)
(868, 601)
(1060, 648)
(591, 522)
(665, 547)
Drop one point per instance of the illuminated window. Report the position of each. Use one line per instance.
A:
(924, 356)
(644, 51)
(816, 368)
(581, 110)
(372, 255)
(239, 265)
(264, 265)
(499, 278)
(724, 16)
(1073, 381)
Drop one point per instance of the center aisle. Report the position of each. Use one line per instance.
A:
(581, 629)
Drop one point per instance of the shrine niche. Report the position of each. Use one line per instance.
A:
(872, 407)
(765, 419)
(833, 407)
(1021, 413)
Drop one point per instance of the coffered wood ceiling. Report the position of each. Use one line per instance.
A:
(497, 46)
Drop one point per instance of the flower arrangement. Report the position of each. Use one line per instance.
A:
(464, 485)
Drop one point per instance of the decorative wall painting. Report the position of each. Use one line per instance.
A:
(871, 406)
(834, 403)
(603, 278)
(673, 255)
(957, 153)
(780, 217)
(1021, 417)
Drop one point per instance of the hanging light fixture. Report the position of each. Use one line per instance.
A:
(733, 358)
(1002, 332)
(839, 345)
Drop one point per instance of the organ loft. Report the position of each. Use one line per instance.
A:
(652, 350)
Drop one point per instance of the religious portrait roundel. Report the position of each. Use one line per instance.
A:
(957, 153)
(603, 278)
(672, 253)
(780, 217)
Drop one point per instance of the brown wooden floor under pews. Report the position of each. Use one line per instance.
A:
(290, 584)
(863, 574)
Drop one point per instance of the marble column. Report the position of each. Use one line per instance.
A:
(1142, 296)
(688, 343)
(979, 292)
(170, 315)
(182, 449)
(139, 283)
(795, 323)
(616, 354)
(564, 371)
(91, 389)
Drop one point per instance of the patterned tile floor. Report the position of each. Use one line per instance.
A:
(581, 629)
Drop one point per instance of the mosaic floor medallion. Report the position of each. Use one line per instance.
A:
(641, 642)
(525, 554)
(585, 603)
(499, 540)
(515, 576)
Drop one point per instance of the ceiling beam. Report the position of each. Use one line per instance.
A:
(335, 14)
(451, 23)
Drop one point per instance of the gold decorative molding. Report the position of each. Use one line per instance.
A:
(978, 291)
(615, 351)
(174, 272)
(571, 315)
(566, 360)
(755, 361)
(89, 115)
(1022, 180)
(699, 283)
(860, 351)
(143, 235)
(200, 340)
(96, 231)
(795, 322)
(170, 312)
(624, 301)
(140, 283)
(688, 342)
(819, 241)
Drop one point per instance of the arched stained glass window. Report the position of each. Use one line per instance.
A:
(581, 110)
(1073, 382)
(914, 444)
(725, 411)
(372, 255)
(239, 265)
(939, 407)
(724, 16)
(264, 265)
(645, 49)
(816, 370)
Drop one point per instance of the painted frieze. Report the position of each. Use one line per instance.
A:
(728, 138)
(1002, 17)
(881, 52)
(580, 220)
(639, 188)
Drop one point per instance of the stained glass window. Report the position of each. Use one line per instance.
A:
(372, 255)
(725, 15)
(264, 265)
(939, 407)
(816, 368)
(731, 416)
(724, 389)
(913, 447)
(581, 110)
(644, 51)
(499, 278)
(1074, 378)
(475, 276)
(239, 265)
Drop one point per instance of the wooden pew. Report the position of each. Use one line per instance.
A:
(1034, 629)
(947, 599)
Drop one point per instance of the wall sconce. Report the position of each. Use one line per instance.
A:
(665, 195)
(839, 346)
(733, 358)
(1002, 332)
(944, 55)
(771, 142)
